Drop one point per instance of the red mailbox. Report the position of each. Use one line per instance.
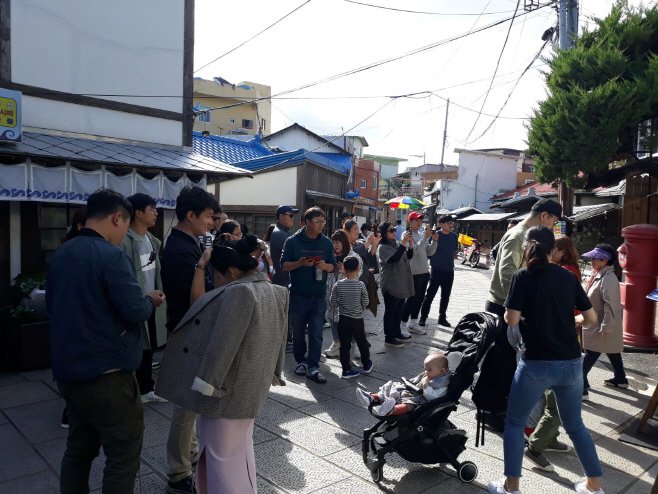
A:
(638, 257)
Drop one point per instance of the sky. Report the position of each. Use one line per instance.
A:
(328, 37)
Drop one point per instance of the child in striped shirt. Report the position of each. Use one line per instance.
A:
(352, 298)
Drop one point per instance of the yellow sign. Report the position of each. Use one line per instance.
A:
(8, 107)
(10, 115)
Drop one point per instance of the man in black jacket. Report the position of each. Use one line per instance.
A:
(194, 210)
(97, 308)
(285, 218)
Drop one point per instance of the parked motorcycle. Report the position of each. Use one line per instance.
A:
(471, 252)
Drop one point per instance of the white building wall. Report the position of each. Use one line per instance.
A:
(56, 115)
(294, 139)
(480, 178)
(101, 47)
(266, 189)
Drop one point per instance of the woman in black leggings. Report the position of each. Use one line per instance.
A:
(396, 281)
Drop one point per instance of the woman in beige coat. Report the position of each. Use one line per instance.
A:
(604, 336)
(221, 360)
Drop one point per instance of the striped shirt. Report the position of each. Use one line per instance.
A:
(351, 296)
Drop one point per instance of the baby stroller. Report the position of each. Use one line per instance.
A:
(425, 435)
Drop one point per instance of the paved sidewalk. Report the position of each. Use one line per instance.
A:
(308, 437)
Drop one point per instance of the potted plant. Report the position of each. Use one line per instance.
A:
(25, 328)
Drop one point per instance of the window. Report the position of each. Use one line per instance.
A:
(247, 124)
(205, 116)
(257, 224)
(264, 125)
(363, 184)
(374, 183)
(231, 120)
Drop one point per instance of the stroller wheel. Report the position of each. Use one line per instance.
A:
(376, 471)
(467, 471)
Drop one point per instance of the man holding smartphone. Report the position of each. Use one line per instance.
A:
(423, 249)
(308, 255)
(442, 264)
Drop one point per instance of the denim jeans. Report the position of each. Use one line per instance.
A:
(532, 378)
(307, 310)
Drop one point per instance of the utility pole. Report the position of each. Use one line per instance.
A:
(568, 29)
(445, 132)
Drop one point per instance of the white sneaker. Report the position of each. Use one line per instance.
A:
(404, 332)
(498, 487)
(151, 396)
(363, 397)
(355, 351)
(415, 328)
(581, 488)
(333, 350)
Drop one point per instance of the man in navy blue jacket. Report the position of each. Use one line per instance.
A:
(96, 309)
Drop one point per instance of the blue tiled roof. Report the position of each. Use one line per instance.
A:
(291, 157)
(342, 159)
(228, 150)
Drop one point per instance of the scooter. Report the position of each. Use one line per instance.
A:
(471, 254)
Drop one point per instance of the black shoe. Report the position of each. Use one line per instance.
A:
(444, 322)
(422, 321)
(403, 338)
(155, 365)
(65, 420)
(185, 486)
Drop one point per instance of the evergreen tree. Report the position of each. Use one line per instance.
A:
(599, 94)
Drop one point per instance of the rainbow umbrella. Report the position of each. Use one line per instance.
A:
(405, 202)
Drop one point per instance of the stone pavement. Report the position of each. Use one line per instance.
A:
(308, 437)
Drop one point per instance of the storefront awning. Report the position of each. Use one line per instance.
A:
(66, 184)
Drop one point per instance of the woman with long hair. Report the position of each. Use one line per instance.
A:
(220, 364)
(564, 254)
(366, 250)
(342, 249)
(605, 335)
(545, 295)
(397, 282)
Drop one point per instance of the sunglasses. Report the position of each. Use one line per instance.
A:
(392, 230)
(289, 215)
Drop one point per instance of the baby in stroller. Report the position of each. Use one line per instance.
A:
(397, 398)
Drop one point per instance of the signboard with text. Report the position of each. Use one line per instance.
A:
(560, 229)
(10, 115)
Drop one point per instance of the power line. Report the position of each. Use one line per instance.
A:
(254, 36)
(422, 12)
(512, 90)
(341, 135)
(518, 2)
(374, 64)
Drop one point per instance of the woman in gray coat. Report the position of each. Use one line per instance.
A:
(396, 281)
(220, 364)
(604, 336)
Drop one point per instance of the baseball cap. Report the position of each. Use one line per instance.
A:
(415, 216)
(346, 215)
(549, 206)
(286, 209)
